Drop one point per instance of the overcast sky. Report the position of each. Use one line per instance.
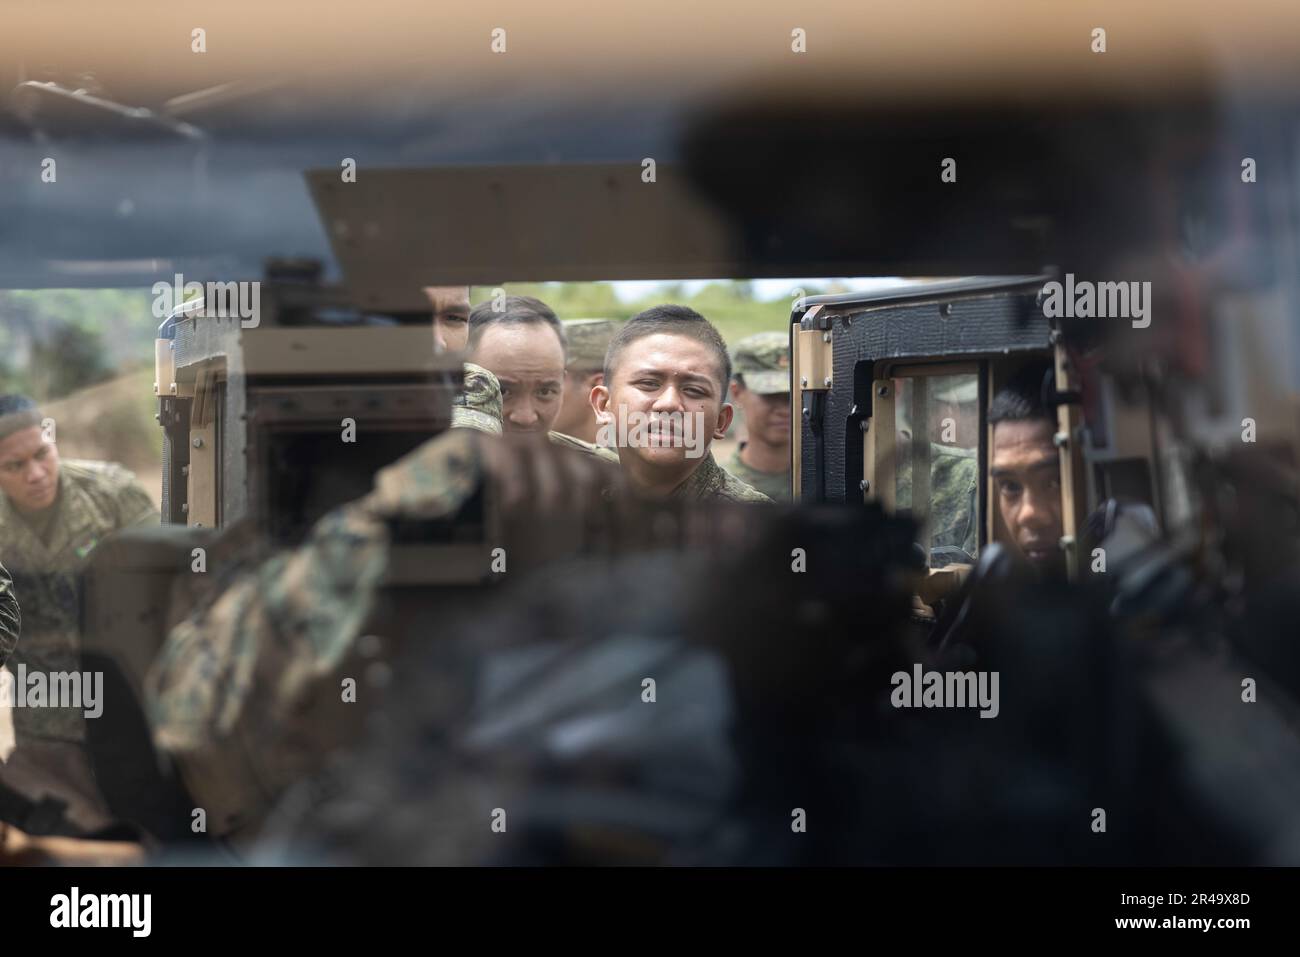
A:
(764, 289)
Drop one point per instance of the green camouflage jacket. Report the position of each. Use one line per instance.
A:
(775, 485)
(710, 481)
(262, 664)
(95, 499)
(954, 488)
(244, 671)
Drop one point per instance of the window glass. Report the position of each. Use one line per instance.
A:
(937, 423)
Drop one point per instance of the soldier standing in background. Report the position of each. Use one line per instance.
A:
(522, 344)
(588, 339)
(761, 387)
(52, 514)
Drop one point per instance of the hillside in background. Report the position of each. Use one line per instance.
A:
(54, 342)
(113, 421)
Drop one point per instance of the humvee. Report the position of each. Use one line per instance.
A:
(891, 392)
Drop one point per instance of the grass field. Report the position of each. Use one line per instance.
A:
(728, 305)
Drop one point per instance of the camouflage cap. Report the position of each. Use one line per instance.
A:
(764, 361)
(478, 404)
(588, 341)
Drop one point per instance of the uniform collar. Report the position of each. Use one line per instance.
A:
(706, 480)
(63, 532)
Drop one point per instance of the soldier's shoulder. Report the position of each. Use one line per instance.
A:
(104, 475)
(955, 464)
(735, 490)
(734, 464)
(580, 445)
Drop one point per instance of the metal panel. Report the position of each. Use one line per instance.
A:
(391, 229)
(983, 325)
(352, 351)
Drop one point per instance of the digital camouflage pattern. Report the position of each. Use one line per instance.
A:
(245, 693)
(587, 341)
(240, 694)
(708, 482)
(478, 404)
(762, 362)
(95, 499)
(775, 485)
(10, 618)
(581, 445)
(954, 490)
(230, 695)
(711, 482)
(301, 609)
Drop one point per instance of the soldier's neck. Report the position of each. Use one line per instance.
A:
(766, 458)
(650, 482)
(587, 431)
(41, 520)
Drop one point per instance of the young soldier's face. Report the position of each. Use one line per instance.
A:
(664, 379)
(529, 361)
(1026, 473)
(29, 469)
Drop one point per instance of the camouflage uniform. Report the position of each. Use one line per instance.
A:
(569, 442)
(711, 482)
(95, 499)
(478, 404)
(229, 696)
(761, 363)
(586, 342)
(954, 490)
(775, 485)
(10, 619)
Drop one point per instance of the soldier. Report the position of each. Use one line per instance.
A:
(761, 387)
(52, 514)
(450, 305)
(664, 401)
(235, 695)
(1025, 469)
(523, 346)
(588, 340)
(478, 405)
(952, 510)
(10, 618)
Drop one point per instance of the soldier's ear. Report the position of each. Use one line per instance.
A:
(735, 389)
(600, 404)
(724, 421)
